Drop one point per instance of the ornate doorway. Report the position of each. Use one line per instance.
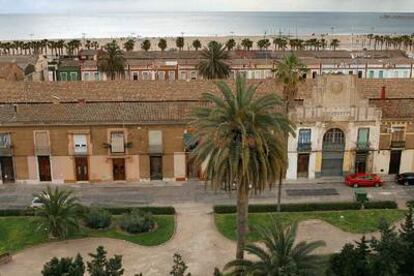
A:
(333, 152)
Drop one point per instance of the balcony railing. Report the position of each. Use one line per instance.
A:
(398, 144)
(362, 146)
(305, 146)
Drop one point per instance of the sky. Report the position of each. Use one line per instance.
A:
(82, 6)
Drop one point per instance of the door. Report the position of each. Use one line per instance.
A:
(118, 169)
(7, 171)
(360, 162)
(303, 165)
(81, 166)
(395, 161)
(44, 168)
(156, 167)
(333, 152)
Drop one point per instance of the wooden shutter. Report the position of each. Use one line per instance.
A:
(117, 142)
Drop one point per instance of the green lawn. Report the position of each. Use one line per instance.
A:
(17, 233)
(363, 221)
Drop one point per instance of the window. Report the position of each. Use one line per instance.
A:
(86, 76)
(304, 136)
(80, 143)
(161, 75)
(42, 145)
(97, 76)
(135, 76)
(73, 76)
(381, 74)
(155, 141)
(371, 74)
(193, 75)
(145, 75)
(363, 136)
(171, 75)
(397, 134)
(5, 140)
(63, 76)
(314, 74)
(183, 75)
(360, 74)
(258, 75)
(350, 72)
(396, 75)
(117, 142)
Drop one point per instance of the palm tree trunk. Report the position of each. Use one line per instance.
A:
(279, 191)
(242, 216)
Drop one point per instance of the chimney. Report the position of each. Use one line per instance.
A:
(382, 96)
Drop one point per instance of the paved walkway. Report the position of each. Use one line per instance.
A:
(196, 239)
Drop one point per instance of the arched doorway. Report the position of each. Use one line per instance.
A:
(333, 152)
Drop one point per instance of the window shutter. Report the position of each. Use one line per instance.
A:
(42, 143)
(155, 141)
(5, 140)
(80, 143)
(117, 142)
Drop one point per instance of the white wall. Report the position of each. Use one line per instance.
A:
(381, 162)
(407, 161)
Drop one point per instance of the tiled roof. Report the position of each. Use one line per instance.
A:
(395, 108)
(95, 113)
(11, 72)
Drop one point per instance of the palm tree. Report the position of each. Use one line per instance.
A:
(280, 43)
(263, 44)
(162, 44)
(247, 44)
(290, 71)
(230, 44)
(213, 65)
(239, 141)
(95, 45)
(146, 45)
(88, 44)
(196, 44)
(112, 60)
(370, 38)
(129, 45)
(335, 43)
(58, 215)
(278, 255)
(179, 42)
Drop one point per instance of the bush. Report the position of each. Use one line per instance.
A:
(307, 207)
(98, 218)
(137, 221)
(168, 210)
(16, 212)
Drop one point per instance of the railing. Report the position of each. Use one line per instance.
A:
(155, 149)
(6, 151)
(305, 146)
(362, 146)
(398, 144)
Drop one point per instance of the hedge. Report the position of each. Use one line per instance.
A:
(155, 210)
(307, 207)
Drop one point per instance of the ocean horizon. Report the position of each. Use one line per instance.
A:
(170, 24)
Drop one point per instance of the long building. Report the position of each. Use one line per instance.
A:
(68, 132)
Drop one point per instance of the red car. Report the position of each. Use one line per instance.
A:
(363, 180)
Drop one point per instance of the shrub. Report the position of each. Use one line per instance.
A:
(98, 218)
(307, 207)
(137, 221)
(64, 266)
(168, 210)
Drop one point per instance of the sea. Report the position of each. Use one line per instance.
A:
(170, 24)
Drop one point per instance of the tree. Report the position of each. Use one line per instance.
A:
(179, 42)
(64, 266)
(334, 44)
(111, 61)
(280, 42)
(101, 266)
(230, 44)
(278, 255)
(146, 45)
(351, 261)
(263, 44)
(179, 268)
(162, 44)
(239, 140)
(247, 44)
(407, 240)
(129, 45)
(212, 64)
(196, 44)
(58, 215)
(290, 72)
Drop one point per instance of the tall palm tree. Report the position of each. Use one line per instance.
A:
(278, 255)
(247, 44)
(263, 44)
(230, 44)
(146, 45)
(162, 44)
(58, 215)
(213, 65)
(238, 134)
(290, 72)
(335, 44)
(196, 44)
(111, 61)
(129, 45)
(179, 42)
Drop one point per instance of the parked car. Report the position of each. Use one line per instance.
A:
(363, 180)
(36, 203)
(405, 178)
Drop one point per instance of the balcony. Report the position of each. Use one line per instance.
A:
(362, 146)
(40, 150)
(6, 151)
(304, 147)
(397, 144)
